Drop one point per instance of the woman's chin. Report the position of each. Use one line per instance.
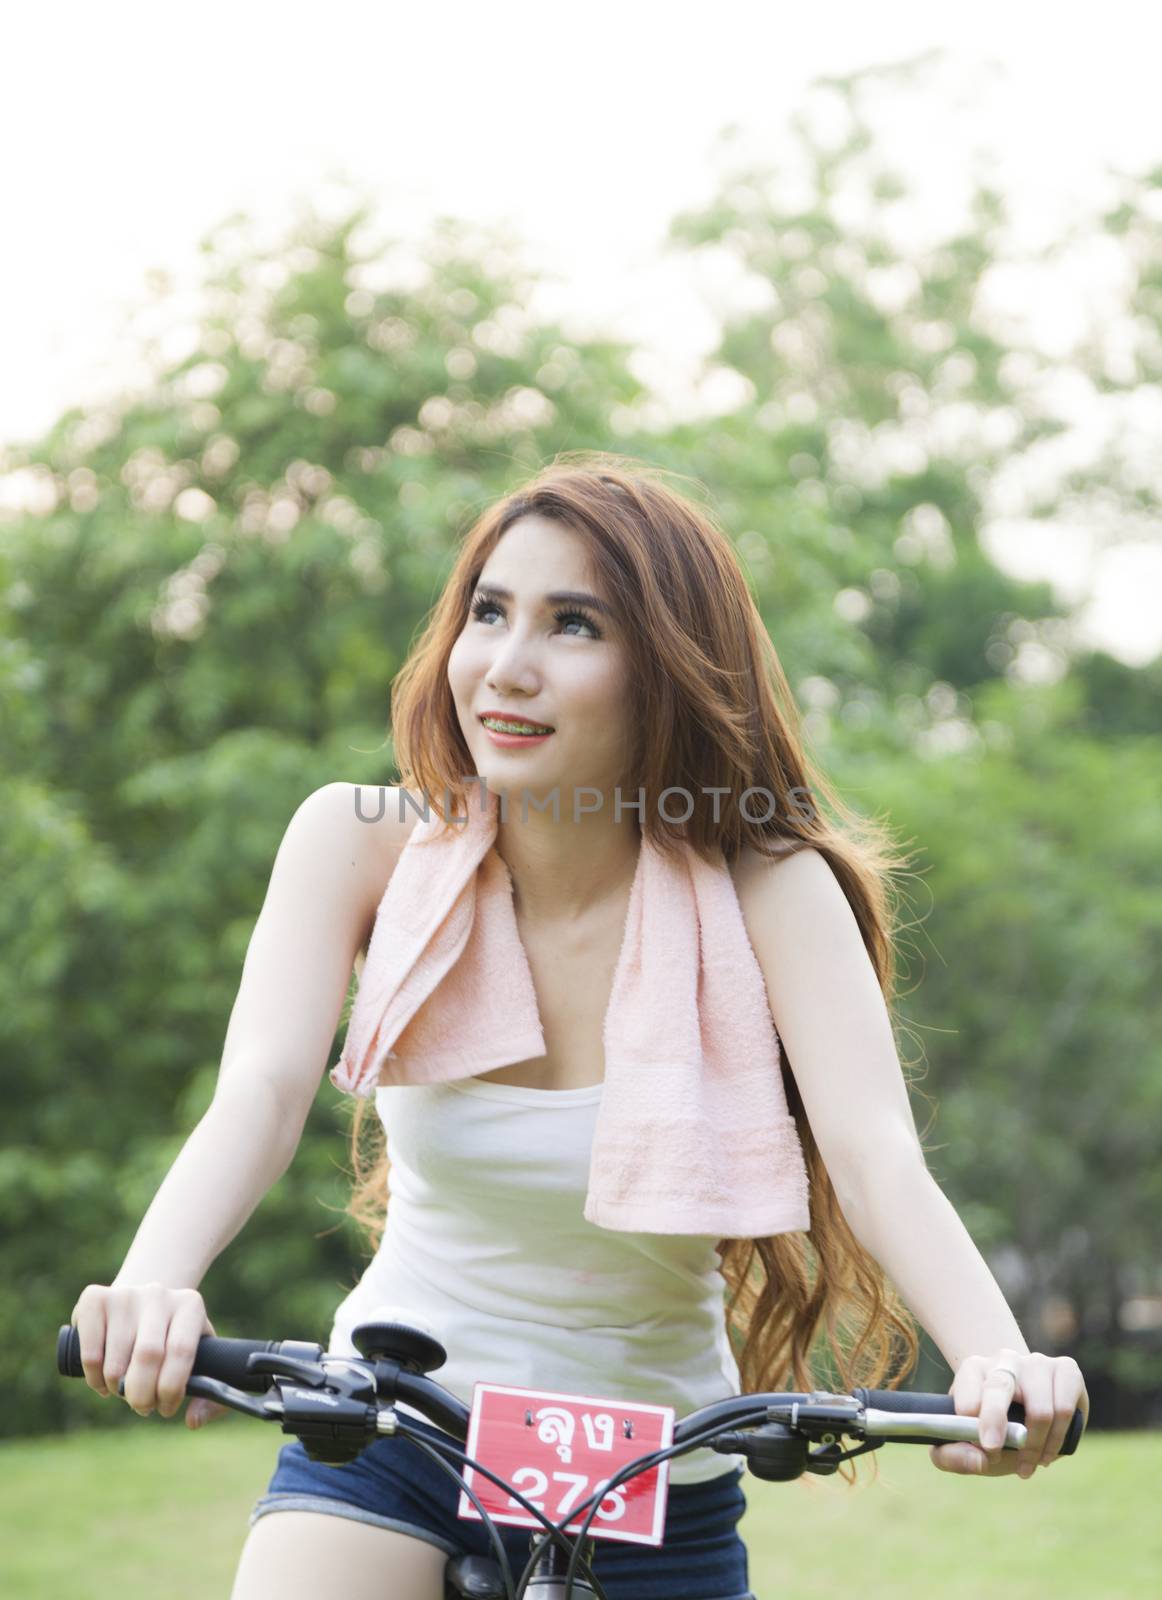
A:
(519, 777)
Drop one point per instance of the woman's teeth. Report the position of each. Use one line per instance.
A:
(512, 727)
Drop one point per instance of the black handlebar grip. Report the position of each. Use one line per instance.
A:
(910, 1400)
(224, 1359)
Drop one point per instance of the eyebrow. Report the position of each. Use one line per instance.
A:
(576, 597)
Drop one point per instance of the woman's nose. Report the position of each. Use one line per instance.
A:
(511, 665)
(504, 683)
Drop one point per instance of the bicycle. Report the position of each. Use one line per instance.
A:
(337, 1405)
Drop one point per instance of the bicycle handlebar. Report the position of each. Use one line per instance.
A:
(228, 1361)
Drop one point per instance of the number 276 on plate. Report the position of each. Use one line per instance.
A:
(558, 1450)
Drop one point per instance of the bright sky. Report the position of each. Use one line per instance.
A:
(133, 129)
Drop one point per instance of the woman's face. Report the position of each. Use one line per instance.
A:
(560, 662)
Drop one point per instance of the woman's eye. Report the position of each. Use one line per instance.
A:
(577, 616)
(482, 606)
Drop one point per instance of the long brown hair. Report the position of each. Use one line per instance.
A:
(712, 709)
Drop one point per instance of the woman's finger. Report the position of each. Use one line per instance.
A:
(998, 1390)
(181, 1346)
(968, 1395)
(958, 1458)
(200, 1411)
(1068, 1394)
(968, 1386)
(1037, 1399)
(971, 1459)
(147, 1357)
(119, 1328)
(89, 1320)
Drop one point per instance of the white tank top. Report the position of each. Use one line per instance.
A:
(485, 1238)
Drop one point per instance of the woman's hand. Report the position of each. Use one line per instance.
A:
(147, 1335)
(1049, 1387)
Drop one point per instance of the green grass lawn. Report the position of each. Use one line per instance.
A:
(156, 1509)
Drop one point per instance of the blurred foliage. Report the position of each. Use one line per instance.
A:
(201, 617)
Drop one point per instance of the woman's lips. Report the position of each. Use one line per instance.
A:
(511, 741)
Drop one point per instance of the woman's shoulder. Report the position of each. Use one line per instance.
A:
(752, 866)
(381, 816)
(376, 822)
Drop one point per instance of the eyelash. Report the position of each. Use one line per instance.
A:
(484, 602)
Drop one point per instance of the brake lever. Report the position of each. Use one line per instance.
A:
(237, 1399)
(307, 1373)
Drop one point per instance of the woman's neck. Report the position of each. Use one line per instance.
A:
(567, 871)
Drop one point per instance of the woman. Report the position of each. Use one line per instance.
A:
(606, 607)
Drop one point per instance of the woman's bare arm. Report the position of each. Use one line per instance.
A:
(327, 880)
(831, 1015)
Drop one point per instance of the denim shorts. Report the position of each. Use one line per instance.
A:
(394, 1484)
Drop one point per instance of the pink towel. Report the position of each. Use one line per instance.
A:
(693, 1133)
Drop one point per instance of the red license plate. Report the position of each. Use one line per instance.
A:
(558, 1449)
